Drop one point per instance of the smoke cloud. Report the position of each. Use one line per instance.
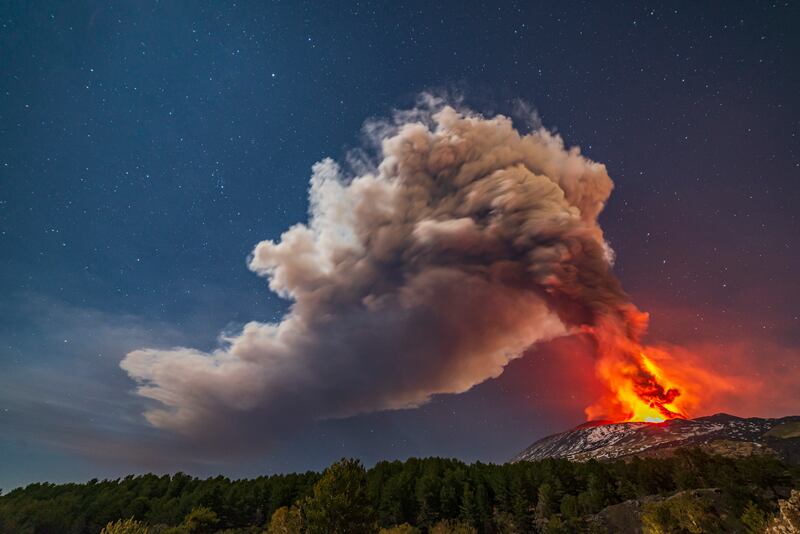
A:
(422, 273)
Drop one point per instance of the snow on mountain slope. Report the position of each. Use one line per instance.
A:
(608, 441)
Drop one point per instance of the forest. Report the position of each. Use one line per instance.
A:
(691, 491)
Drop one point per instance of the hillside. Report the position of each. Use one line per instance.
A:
(721, 434)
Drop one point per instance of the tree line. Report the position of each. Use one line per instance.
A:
(432, 495)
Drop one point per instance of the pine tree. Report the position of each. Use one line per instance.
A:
(339, 503)
(546, 503)
(469, 507)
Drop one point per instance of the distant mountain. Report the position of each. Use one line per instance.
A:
(721, 433)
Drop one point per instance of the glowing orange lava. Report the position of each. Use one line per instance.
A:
(638, 389)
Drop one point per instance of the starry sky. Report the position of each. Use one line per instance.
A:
(146, 147)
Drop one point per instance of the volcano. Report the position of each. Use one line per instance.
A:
(721, 433)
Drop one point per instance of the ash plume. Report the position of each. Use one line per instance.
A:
(422, 273)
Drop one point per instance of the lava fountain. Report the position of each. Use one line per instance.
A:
(638, 388)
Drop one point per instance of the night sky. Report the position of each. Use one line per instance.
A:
(146, 147)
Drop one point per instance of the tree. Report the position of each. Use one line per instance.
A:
(554, 525)
(339, 503)
(285, 520)
(483, 506)
(469, 508)
(599, 489)
(448, 498)
(428, 491)
(125, 526)
(547, 503)
(681, 513)
(521, 505)
(754, 519)
(200, 520)
(569, 507)
(397, 502)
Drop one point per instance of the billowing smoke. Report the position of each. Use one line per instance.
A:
(426, 272)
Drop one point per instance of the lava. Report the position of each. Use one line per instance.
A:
(648, 394)
(638, 389)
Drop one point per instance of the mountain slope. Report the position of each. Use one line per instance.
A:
(720, 433)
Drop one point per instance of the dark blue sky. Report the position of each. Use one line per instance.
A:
(146, 147)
